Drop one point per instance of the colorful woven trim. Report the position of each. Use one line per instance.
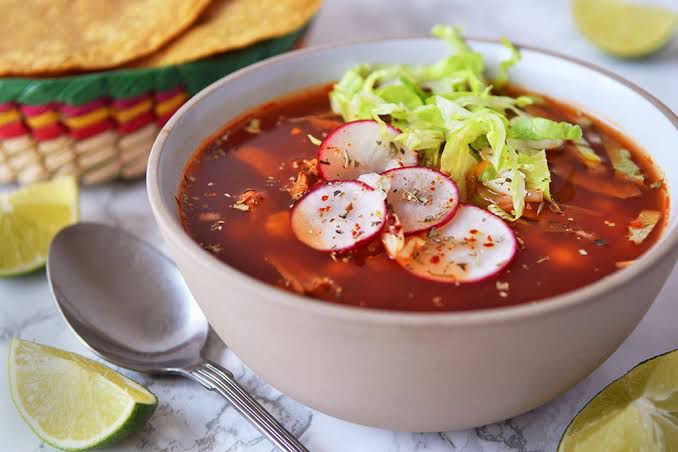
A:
(99, 140)
(101, 126)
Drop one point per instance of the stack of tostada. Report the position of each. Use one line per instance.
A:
(85, 85)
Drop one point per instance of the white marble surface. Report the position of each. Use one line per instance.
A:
(190, 418)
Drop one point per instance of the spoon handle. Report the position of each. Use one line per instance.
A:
(216, 378)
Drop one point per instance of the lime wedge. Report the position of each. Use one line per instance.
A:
(638, 412)
(29, 218)
(72, 402)
(624, 29)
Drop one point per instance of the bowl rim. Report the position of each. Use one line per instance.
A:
(288, 300)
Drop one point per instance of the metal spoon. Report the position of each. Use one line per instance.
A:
(129, 304)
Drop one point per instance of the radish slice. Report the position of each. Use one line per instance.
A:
(379, 182)
(474, 246)
(339, 216)
(361, 147)
(421, 198)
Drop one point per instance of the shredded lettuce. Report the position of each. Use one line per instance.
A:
(452, 36)
(400, 94)
(586, 154)
(518, 193)
(448, 112)
(504, 66)
(315, 141)
(624, 166)
(531, 146)
(640, 228)
(458, 157)
(462, 61)
(536, 170)
(501, 213)
(535, 128)
(511, 181)
(346, 98)
(500, 104)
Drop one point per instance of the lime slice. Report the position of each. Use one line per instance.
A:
(72, 402)
(638, 412)
(624, 29)
(29, 218)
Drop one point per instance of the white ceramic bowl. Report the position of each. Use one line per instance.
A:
(416, 371)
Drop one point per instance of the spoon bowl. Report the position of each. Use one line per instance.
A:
(127, 302)
(153, 328)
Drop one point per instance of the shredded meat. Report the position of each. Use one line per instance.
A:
(209, 216)
(617, 189)
(393, 237)
(412, 247)
(535, 196)
(308, 166)
(578, 211)
(323, 287)
(308, 173)
(248, 200)
(316, 286)
(299, 187)
(324, 121)
(288, 279)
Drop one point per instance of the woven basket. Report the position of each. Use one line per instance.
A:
(101, 126)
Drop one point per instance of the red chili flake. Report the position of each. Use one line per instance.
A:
(451, 200)
(488, 245)
(636, 224)
(325, 197)
(489, 238)
(433, 188)
(435, 259)
(473, 231)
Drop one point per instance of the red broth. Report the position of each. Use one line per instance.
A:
(559, 252)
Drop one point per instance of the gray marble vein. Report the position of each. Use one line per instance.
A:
(192, 419)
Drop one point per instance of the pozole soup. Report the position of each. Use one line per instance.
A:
(422, 189)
